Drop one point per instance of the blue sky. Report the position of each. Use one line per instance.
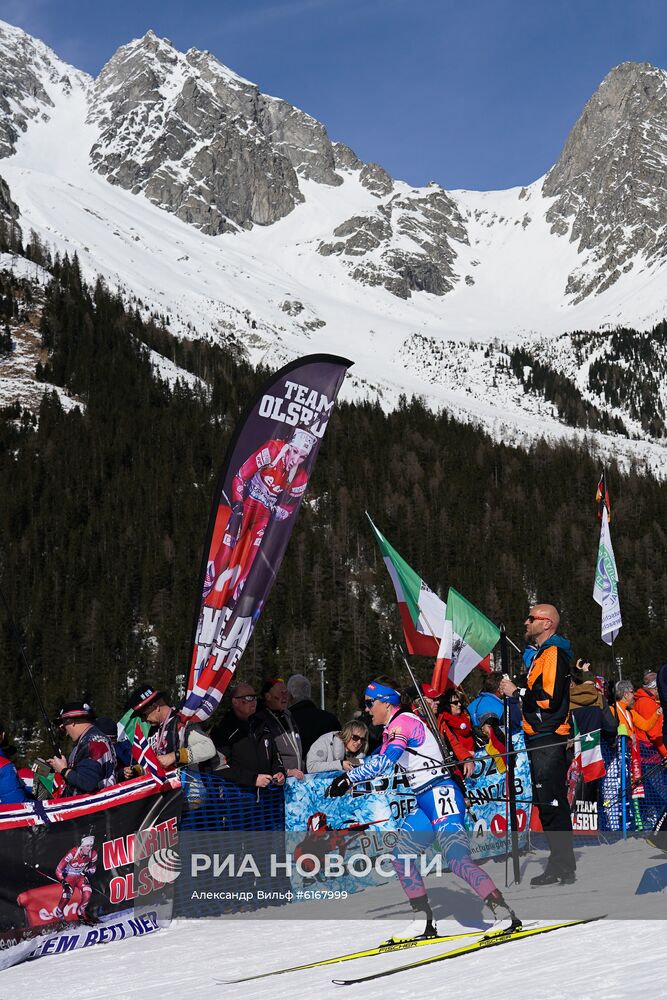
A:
(470, 93)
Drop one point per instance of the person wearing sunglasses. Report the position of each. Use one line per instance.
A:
(339, 751)
(175, 745)
(244, 740)
(409, 744)
(455, 722)
(545, 706)
(91, 764)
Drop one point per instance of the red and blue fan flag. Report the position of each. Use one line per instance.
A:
(263, 481)
(144, 755)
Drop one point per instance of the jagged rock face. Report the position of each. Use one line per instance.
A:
(10, 231)
(430, 222)
(301, 138)
(346, 158)
(610, 182)
(25, 64)
(376, 179)
(371, 175)
(200, 141)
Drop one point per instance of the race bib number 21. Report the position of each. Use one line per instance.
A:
(446, 802)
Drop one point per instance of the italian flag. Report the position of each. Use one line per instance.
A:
(422, 611)
(127, 726)
(467, 639)
(588, 754)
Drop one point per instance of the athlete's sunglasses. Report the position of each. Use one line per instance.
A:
(538, 618)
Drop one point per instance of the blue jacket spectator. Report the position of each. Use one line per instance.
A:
(488, 703)
(12, 789)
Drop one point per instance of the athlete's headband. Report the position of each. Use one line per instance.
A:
(379, 692)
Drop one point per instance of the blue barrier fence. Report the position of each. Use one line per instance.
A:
(216, 804)
(626, 806)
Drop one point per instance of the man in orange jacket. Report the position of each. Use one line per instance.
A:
(546, 724)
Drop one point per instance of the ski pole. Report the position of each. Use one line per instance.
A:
(39, 871)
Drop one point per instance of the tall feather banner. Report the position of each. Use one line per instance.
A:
(263, 481)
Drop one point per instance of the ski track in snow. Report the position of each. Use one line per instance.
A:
(209, 285)
(610, 959)
(613, 960)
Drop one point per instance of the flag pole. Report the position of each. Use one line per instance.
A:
(614, 663)
(510, 789)
(605, 588)
(449, 758)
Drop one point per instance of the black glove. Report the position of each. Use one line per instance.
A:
(338, 786)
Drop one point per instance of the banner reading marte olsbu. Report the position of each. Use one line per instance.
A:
(263, 481)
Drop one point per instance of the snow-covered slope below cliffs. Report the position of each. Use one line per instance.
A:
(521, 267)
(30, 73)
(271, 290)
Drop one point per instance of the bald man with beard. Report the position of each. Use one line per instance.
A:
(545, 710)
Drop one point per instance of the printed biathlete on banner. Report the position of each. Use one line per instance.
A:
(86, 870)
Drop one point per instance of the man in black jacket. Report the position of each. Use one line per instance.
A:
(246, 743)
(312, 722)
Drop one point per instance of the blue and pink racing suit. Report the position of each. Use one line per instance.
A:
(408, 743)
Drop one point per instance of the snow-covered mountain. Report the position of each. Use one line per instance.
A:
(235, 214)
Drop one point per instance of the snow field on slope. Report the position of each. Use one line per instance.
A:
(218, 286)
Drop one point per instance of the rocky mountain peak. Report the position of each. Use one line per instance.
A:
(201, 141)
(628, 97)
(610, 181)
(28, 71)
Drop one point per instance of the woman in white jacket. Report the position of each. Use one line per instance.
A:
(339, 751)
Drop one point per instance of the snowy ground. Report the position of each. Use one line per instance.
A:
(611, 959)
(614, 960)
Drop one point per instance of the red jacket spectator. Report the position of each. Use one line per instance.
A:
(455, 720)
(646, 704)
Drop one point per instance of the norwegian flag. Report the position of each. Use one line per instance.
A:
(144, 755)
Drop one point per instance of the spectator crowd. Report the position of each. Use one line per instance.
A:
(268, 735)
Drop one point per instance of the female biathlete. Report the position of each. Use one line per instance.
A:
(407, 742)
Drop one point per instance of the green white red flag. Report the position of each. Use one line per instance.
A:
(422, 612)
(588, 753)
(467, 639)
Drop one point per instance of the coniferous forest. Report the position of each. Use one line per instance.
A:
(104, 510)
